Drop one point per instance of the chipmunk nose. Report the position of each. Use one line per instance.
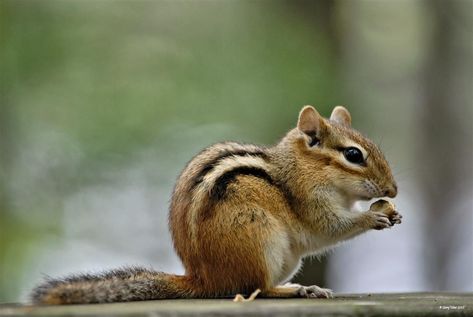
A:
(391, 191)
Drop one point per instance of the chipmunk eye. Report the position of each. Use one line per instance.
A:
(353, 155)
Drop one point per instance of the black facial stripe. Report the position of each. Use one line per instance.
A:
(220, 187)
(207, 168)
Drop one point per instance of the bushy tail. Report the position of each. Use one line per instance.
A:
(122, 285)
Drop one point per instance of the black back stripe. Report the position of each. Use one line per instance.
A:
(207, 168)
(219, 189)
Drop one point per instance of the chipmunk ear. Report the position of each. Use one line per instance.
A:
(341, 116)
(310, 122)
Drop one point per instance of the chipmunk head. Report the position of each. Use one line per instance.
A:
(347, 161)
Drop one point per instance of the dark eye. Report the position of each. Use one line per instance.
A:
(354, 155)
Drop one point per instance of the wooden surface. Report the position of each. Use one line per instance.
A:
(409, 304)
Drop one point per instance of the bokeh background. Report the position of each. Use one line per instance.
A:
(103, 102)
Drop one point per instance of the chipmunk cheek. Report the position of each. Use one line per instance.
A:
(371, 189)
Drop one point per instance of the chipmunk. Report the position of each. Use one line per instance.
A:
(242, 216)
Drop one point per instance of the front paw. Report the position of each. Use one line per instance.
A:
(378, 220)
(388, 209)
(313, 291)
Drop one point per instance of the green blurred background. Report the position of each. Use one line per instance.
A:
(103, 102)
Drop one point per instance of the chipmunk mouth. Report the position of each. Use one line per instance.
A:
(365, 197)
(354, 198)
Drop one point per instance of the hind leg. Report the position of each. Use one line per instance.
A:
(297, 291)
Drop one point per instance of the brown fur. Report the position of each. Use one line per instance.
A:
(242, 216)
